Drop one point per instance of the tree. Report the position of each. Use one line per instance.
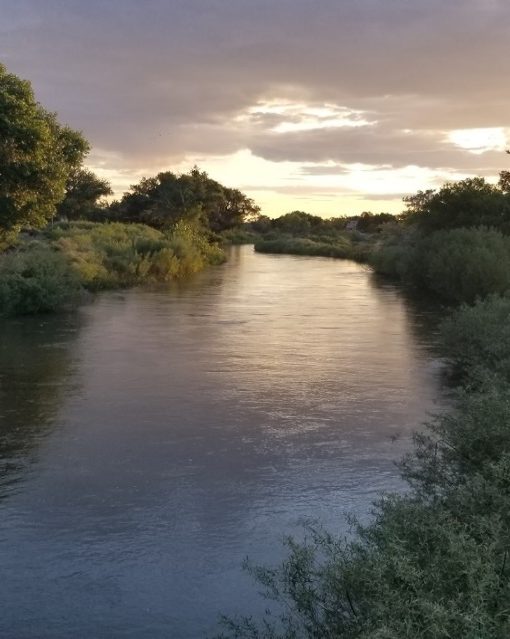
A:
(298, 223)
(372, 222)
(163, 200)
(84, 191)
(470, 202)
(37, 155)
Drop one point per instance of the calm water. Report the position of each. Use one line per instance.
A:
(154, 439)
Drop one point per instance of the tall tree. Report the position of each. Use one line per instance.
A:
(84, 191)
(470, 202)
(163, 200)
(37, 155)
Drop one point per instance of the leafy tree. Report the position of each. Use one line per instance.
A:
(470, 202)
(299, 223)
(37, 155)
(372, 222)
(84, 191)
(163, 200)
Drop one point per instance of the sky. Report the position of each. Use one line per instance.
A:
(333, 107)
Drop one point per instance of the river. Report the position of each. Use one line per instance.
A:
(153, 439)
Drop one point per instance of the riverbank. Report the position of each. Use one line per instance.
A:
(433, 563)
(341, 247)
(52, 270)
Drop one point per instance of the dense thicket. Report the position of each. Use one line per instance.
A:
(458, 265)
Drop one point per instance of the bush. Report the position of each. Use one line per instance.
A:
(458, 265)
(113, 255)
(476, 340)
(36, 279)
(48, 274)
(463, 264)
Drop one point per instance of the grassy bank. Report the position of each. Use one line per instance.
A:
(51, 271)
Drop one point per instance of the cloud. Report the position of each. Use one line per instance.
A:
(159, 83)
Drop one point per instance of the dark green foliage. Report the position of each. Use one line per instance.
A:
(83, 196)
(36, 157)
(340, 248)
(37, 279)
(163, 200)
(298, 223)
(470, 202)
(239, 236)
(476, 340)
(459, 265)
(369, 222)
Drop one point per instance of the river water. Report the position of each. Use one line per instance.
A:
(152, 440)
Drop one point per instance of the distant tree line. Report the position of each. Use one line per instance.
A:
(302, 224)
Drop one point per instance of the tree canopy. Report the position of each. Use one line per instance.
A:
(37, 155)
(162, 200)
(470, 202)
(83, 195)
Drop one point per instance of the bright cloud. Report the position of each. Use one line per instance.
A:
(295, 117)
(479, 140)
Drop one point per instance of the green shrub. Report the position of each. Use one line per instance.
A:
(113, 254)
(458, 265)
(36, 279)
(49, 274)
(463, 264)
(476, 340)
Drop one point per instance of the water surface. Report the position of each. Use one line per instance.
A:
(155, 438)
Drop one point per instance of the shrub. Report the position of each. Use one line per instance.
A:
(36, 279)
(458, 265)
(463, 264)
(476, 340)
(113, 254)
